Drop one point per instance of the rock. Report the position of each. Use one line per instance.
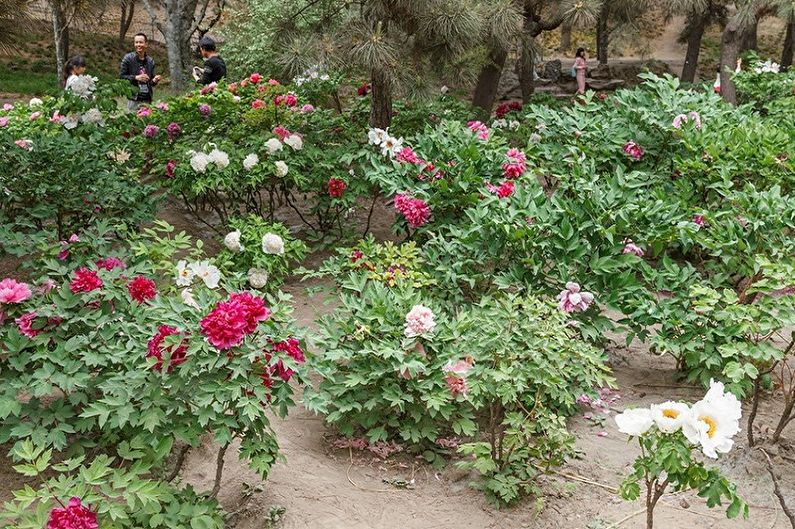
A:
(604, 84)
(552, 70)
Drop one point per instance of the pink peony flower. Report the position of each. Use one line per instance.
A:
(307, 108)
(56, 117)
(150, 131)
(699, 221)
(457, 385)
(255, 78)
(142, 289)
(681, 119)
(282, 133)
(74, 238)
(504, 190)
(244, 83)
(154, 348)
(205, 110)
(85, 280)
(73, 516)
(257, 103)
(12, 291)
(290, 100)
(8, 106)
(109, 263)
(208, 89)
(230, 321)
(516, 164)
(173, 130)
(415, 210)
(480, 129)
(407, 155)
(273, 82)
(25, 325)
(633, 150)
(336, 187)
(162, 106)
(419, 321)
(631, 247)
(24, 144)
(46, 286)
(170, 166)
(3, 122)
(461, 367)
(34, 116)
(573, 300)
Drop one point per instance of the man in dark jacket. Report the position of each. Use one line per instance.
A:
(139, 68)
(214, 66)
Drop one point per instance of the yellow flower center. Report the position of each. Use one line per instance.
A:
(712, 425)
(670, 414)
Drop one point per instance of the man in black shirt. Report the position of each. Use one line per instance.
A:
(214, 66)
(139, 68)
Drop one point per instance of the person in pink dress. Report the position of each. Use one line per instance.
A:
(580, 66)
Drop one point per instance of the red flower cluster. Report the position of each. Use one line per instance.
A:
(363, 90)
(504, 190)
(85, 280)
(504, 108)
(154, 348)
(232, 320)
(407, 155)
(255, 78)
(170, 166)
(109, 263)
(281, 133)
(73, 516)
(336, 187)
(142, 289)
(516, 164)
(415, 210)
(292, 348)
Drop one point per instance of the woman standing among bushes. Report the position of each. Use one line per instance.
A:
(580, 65)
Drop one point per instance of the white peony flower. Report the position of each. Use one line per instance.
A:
(634, 422)
(184, 274)
(199, 161)
(250, 161)
(232, 241)
(669, 416)
(294, 141)
(273, 145)
(83, 86)
(419, 321)
(257, 277)
(767, 67)
(35, 102)
(207, 273)
(391, 146)
(219, 158)
(120, 156)
(377, 136)
(93, 115)
(188, 299)
(236, 99)
(499, 123)
(272, 244)
(281, 169)
(535, 137)
(513, 125)
(70, 121)
(713, 421)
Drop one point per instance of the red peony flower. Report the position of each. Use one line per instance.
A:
(290, 100)
(257, 103)
(109, 263)
(85, 280)
(230, 321)
(155, 348)
(255, 78)
(73, 516)
(142, 289)
(356, 255)
(363, 90)
(415, 210)
(281, 132)
(254, 308)
(336, 187)
(502, 110)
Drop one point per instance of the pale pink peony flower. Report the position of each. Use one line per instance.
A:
(307, 108)
(419, 321)
(3, 122)
(12, 291)
(144, 112)
(631, 247)
(34, 116)
(8, 106)
(24, 144)
(162, 106)
(46, 286)
(681, 119)
(573, 300)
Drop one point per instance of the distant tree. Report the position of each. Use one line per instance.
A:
(700, 14)
(64, 13)
(14, 21)
(127, 12)
(614, 15)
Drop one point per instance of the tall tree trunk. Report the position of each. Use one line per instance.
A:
(526, 67)
(565, 37)
(125, 19)
(730, 43)
(696, 26)
(175, 35)
(786, 54)
(60, 31)
(381, 106)
(750, 36)
(602, 34)
(489, 80)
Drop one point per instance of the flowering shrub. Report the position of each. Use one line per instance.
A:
(668, 433)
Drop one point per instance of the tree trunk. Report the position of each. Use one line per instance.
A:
(786, 54)
(175, 27)
(527, 65)
(565, 37)
(749, 38)
(127, 13)
(489, 80)
(602, 34)
(60, 31)
(728, 58)
(697, 24)
(381, 107)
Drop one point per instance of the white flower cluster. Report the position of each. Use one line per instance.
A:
(83, 86)
(187, 272)
(767, 67)
(250, 161)
(710, 422)
(390, 146)
(200, 160)
(92, 115)
(35, 102)
(294, 141)
(311, 74)
(505, 124)
(281, 169)
(272, 244)
(232, 241)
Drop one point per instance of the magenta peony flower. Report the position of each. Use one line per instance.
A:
(73, 516)
(415, 210)
(144, 112)
(699, 221)
(205, 110)
(336, 187)
(407, 155)
(142, 289)
(307, 108)
(150, 131)
(25, 325)
(230, 321)
(255, 78)
(363, 90)
(356, 255)
(173, 130)
(12, 291)
(154, 348)
(170, 166)
(480, 129)
(257, 103)
(573, 300)
(631, 247)
(633, 150)
(109, 263)
(282, 133)
(85, 280)
(290, 100)
(504, 190)
(292, 348)
(516, 164)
